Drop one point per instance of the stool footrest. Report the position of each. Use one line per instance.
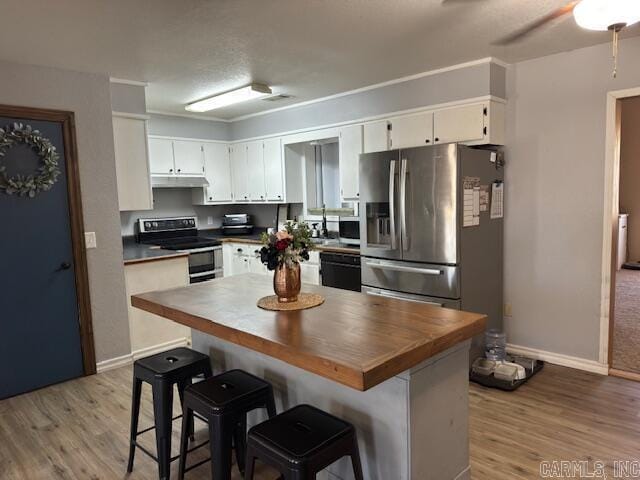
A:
(196, 465)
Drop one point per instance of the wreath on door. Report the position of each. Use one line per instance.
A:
(46, 174)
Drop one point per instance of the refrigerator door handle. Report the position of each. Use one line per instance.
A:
(392, 202)
(384, 294)
(403, 268)
(406, 242)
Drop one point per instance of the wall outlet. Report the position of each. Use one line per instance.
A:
(209, 220)
(507, 310)
(90, 240)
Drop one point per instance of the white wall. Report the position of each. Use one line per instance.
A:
(88, 96)
(554, 195)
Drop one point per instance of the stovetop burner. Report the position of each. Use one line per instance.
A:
(177, 233)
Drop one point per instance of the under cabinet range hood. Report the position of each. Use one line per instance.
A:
(174, 181)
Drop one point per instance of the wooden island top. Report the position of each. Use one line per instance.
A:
(354, 339)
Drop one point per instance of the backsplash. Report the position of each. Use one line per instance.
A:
(177, 202)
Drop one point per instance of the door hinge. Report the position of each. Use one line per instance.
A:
(484, 110)
(202, 148)
(484, 130)
(389, 126)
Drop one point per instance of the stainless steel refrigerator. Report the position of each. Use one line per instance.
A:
(416, 242)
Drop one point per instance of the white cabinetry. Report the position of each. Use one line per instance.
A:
(258, 171)
(479, 123)
(217, 169)
(188, 157)
(459, 124)
(411, 130)
(239, 177)
(376, 136)
(161, 156)
(255, 171)
(239, 258)
(350, 144)
(132, 163)
(176, 157)
(273, 169)
(146, 329)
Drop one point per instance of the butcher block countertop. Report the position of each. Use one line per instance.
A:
(353, 339)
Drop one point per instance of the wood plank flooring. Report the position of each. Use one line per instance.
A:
(79, 430)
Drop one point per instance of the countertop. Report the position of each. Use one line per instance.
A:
(353, 339)
(136, 252)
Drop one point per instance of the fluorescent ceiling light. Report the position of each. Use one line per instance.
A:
(250, 92)
(606, 14)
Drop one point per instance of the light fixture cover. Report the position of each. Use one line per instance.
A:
(250, 92)
(601, 14)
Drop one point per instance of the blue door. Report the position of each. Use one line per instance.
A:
(39, 325)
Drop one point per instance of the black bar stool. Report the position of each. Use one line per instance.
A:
(224, 401)
(162, 371)
(301, 442)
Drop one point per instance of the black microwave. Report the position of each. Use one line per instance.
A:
(349, 230)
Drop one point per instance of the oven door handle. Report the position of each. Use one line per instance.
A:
(200, 250)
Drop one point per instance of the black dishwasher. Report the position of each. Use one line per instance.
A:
(341, 270)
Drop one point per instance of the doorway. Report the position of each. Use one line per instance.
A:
(45, 315)
(625, 330)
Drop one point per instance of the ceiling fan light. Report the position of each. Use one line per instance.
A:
(601, 14)
(244, 94)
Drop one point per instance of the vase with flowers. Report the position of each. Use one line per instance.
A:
(283, 251)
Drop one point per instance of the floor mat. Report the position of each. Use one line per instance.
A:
(626, 332)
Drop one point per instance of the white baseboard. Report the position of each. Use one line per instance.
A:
(560, 359)
(124, 360)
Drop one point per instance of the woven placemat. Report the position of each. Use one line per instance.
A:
(305, 300)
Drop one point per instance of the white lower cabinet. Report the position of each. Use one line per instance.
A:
(239, 258)
(147, 330)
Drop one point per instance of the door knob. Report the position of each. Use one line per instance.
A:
(65, 266)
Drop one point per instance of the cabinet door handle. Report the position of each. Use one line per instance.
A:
(210, 198)
(437, 139)
(179, 170)
(171, 170)
(427, 141)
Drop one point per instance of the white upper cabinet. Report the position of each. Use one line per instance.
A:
(273, 169)
(255, 171)
(217, 168)
(161, 156)
(350, 148)
(376, 136)
(188, 157)
(132, 164)
(239, 174)
(459, 124)
(411, 130)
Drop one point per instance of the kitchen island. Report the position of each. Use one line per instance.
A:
(397, 370)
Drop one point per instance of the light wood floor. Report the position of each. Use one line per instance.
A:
(78, 430)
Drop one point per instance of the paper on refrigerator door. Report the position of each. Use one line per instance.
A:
(497, 200)
(471, 202)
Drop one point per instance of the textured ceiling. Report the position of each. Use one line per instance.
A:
(189, 49)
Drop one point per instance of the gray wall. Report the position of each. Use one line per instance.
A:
(88, 97)
(175, 126)
(176, 202)
(128, 98)
(460, 84)
(554, 195)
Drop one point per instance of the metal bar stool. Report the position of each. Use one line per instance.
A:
(224, 401)
(301, 442)
(162, 371)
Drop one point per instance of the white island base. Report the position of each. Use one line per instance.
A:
(413, 426)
